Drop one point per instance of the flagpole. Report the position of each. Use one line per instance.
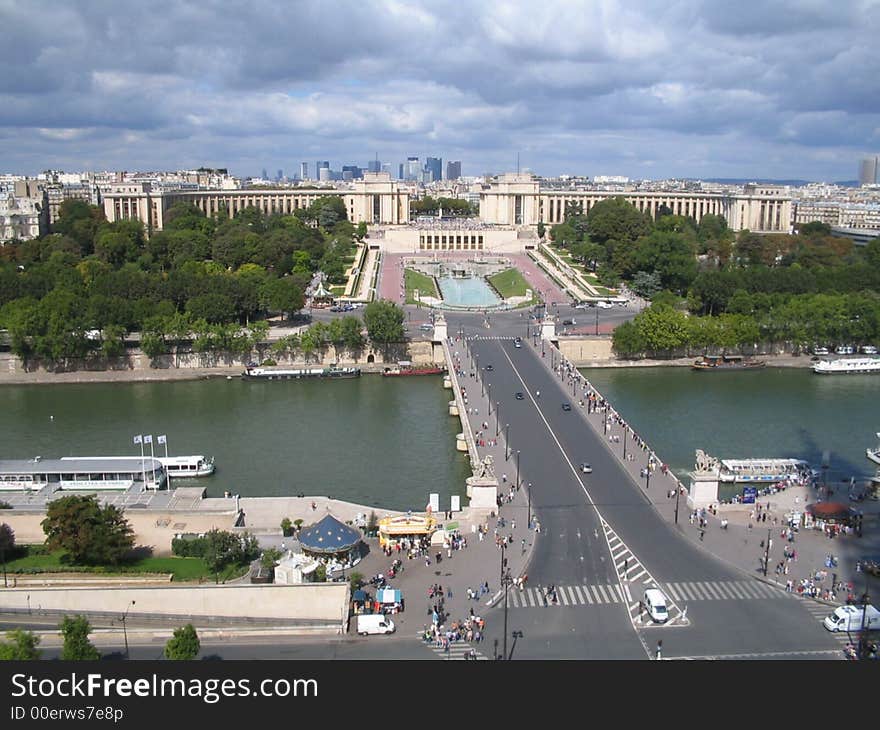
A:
(152, 455)
(143, 467)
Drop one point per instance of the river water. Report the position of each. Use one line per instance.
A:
(377, 441)
(389, 442)
(773, 412)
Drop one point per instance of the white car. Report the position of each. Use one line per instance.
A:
(655, 603)
(869, 350)
(604, 305)
(844, 350)
(586, 468)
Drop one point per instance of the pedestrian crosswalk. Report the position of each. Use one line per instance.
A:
(508, 338)
(457, 650)
(819, 611)
(629, 593)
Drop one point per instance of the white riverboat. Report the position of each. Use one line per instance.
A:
(91, 473)
(848, 365)
(763, 471)
(272, 373)
(196, 465)
(874, 454)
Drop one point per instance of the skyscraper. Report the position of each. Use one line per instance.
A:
(304, 170)
(868, 170)
(265, 175)
(280, 175)
(434, 166)
(374, 165)
(413, 170)
(400, 171)
(453, 170)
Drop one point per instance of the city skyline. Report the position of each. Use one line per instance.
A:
(782, 90)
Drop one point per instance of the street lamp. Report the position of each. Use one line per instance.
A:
(489, 388)
(517, 468)
(497, 414)
(124, 632)
(767, 553)
(863, 639)
(677, 493)
(506, 441)
(647, 476)
(529, 518)
(625, 434)
(516, 635)
(597, 320)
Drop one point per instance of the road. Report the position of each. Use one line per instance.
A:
(597, 526)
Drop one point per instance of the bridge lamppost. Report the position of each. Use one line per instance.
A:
(625, 434)
(529, 518)
(497, 419)
(863, 638)
(517, 468)
(489, 388)
(647, 476)
(677, 494)
(597, 320)
(506, 441)
(124, 632)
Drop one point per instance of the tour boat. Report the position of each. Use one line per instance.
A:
(874, 454)
(86, 473)
(763, 470)
(187, 466)
(726, 362)
(848, 365)
(297, 373)
(405, 367)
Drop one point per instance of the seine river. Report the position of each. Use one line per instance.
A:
(378, 441)
(774, 412)
(389, 441)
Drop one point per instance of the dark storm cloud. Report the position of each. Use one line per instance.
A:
(763, 88)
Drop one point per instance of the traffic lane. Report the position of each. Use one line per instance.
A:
(733, 628)
(566, 632)
(564, 515)
(666, 554)
(656, 544)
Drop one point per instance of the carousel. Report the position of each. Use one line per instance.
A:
(322, 297)
(409, 530)
(332, 542)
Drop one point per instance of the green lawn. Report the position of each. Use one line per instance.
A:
(337, 290)
(182, 569)
(415, 280)
(509, 283)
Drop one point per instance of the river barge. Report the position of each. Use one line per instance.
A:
(268, 373)
(405, 367)
(727, 362)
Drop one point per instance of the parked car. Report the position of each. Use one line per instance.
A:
(869, 350)
(820, 350)
(426, 327)
(844, 350)
(604, 305)
(568, 321)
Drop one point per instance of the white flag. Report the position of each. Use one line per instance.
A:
(148, 439)
(139, 439)
(161, 439)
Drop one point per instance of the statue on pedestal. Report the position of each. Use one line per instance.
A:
(705, 464)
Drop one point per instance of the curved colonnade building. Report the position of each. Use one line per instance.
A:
(510, 208)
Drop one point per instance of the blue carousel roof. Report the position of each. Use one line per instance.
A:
(329, 535)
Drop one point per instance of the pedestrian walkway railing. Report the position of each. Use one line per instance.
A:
(462, 408)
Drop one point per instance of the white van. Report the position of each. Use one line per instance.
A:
(849, 618)
(655, 602)
(374, 623)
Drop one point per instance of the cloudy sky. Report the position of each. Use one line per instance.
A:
(642, 88)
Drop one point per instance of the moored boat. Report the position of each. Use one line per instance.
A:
(848, 366)
(874, 454)
(726, 362)
(271, 373)
(405, 367)
(195, 465)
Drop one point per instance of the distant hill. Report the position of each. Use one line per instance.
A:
(768, 181)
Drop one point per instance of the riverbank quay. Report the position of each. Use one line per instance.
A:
(743, 541)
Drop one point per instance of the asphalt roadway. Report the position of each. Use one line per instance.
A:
(578, 512)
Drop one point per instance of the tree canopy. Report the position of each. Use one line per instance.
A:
(184, 645)
(77, 646)
(88, 532)
(384, 321)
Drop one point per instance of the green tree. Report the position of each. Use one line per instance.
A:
(7, 544)
(670, 255)
(541, 229)
(282, 295)
(86, 531)
(22, 646)
(269, 558)
(77, 646)
(361, 231)
(286, 527)
(384, 322)
(184, 645)
(618, 220)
